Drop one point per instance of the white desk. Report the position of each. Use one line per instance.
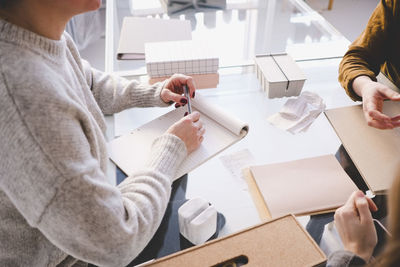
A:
(239, 93)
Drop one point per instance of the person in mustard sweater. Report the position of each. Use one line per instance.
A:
(375, 50)
(57, 207)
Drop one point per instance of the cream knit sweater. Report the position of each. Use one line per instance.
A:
(55, 203)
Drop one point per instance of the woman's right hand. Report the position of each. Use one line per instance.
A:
(355, 225)
(190, 130)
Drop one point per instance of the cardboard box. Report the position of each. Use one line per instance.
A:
(279, 75)
(202, 81)
(186, 56)
(279, 242)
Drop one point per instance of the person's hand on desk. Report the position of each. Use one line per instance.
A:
(190, 130)
(355, 225)
(173, 89)
(373, 95)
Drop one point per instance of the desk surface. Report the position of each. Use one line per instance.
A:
(267, 26)
(239, 93)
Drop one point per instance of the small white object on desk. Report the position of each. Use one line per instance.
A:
(197, 220)
(279, 75)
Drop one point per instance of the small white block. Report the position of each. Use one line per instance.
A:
(197, 220)
(203, 226)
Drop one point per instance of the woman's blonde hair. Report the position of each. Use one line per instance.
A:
(390, 256)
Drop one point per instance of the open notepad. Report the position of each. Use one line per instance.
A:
(130, 152)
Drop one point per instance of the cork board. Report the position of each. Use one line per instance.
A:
(279, 242)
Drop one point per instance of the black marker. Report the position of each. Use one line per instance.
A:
(186, 88)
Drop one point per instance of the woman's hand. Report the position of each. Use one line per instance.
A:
(355, 225)
(190, 130)
(373, 94)
(173, 89)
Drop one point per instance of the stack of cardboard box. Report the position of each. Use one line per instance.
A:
(279, 75)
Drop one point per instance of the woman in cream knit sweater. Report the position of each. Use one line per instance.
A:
(56, 207)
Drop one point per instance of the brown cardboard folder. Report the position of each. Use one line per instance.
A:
(279, 242)
(202, 81)
(301, 187)
(375, 153)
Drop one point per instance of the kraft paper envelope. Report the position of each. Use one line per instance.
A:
(306, 186)
(375, 153)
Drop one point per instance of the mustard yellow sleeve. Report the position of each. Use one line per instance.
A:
(370, 50)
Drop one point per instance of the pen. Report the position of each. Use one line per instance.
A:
(186, 88)
(383, 227)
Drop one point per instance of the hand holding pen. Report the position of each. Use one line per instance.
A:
(355, 225)
(174, 87)
(189, 129)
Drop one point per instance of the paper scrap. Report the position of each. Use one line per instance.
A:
(236, 162)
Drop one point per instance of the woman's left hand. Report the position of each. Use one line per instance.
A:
(173, 89)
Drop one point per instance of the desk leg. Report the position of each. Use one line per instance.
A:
(330, 5)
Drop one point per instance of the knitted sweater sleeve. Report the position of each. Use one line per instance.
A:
(53, 177)
(342, 258)
(368, 52)
(114, 93)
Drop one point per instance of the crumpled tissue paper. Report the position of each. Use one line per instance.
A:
(297, 114)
